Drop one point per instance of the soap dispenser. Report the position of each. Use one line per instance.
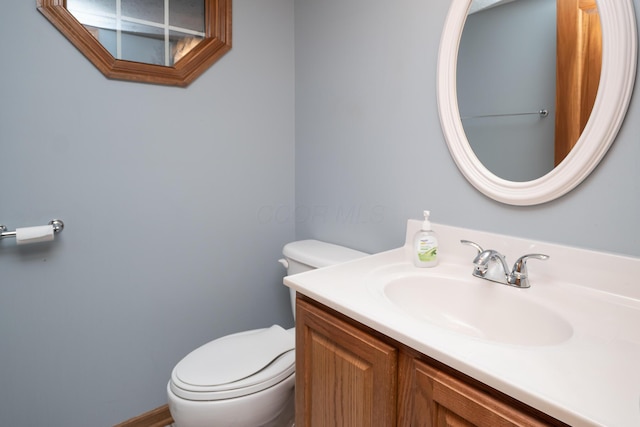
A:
(425, 245)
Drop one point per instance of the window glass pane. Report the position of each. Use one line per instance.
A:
(107, 38)
(98, 7)
(95, 13)
(187, 14)
(146, 45)
(138, 32)
(149, 10)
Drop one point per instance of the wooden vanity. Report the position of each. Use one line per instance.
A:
(347, 374)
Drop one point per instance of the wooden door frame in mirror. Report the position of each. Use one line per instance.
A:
(216, 43)
(619, 56)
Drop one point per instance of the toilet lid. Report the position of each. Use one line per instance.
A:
(236, 365)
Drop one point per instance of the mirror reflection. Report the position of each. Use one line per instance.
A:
(517, 60)
(158, 32)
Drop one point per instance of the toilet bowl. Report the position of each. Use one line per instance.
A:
(247, 379)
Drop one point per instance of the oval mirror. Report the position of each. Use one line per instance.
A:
(590, 141)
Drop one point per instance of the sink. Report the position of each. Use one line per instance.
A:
(477, 308)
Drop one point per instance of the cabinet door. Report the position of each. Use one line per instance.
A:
(442, 400)
(344, 376)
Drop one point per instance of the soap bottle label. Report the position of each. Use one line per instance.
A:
(427, 248)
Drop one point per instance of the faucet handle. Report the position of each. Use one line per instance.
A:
(474, 244)
(519, 273)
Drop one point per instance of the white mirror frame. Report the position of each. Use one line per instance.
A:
(619, 55)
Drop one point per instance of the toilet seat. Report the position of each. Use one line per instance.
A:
(236, 365)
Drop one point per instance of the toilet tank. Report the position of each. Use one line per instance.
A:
(305, 255)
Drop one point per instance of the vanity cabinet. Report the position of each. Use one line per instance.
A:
(350, 375)
(344, 376)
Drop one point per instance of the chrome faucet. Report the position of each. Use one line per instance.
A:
(491, 265)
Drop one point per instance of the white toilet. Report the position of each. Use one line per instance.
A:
(247, 379)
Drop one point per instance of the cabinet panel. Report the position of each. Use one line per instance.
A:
(444, 401)
(344, 376)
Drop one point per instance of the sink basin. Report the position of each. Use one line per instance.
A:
(477, 308)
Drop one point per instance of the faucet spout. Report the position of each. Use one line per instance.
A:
(491, 265)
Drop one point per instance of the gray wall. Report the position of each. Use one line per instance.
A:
(368, 140)
(160, 190)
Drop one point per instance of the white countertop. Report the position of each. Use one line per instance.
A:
(590, 379)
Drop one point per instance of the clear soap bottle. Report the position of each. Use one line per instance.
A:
(425, 245)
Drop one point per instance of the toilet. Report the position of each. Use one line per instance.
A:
(247, 379)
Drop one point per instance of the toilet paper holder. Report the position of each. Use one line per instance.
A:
(57, 225)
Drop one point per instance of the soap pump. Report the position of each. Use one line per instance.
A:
(425, 245)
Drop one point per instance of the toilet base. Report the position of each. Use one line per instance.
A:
(273, 407)
(287, 417)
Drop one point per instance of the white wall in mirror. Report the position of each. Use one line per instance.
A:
(478, 5)
(506, 74)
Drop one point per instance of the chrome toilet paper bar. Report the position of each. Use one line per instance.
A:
(57, 225)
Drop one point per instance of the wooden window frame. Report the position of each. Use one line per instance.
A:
(216, 43)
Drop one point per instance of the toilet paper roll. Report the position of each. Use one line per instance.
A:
(26, 235)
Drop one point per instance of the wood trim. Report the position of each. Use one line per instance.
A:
(159, 417)
(579, 64)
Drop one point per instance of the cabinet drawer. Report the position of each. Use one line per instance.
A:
(442, 400)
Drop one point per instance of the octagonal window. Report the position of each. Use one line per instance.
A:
(153, 41)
